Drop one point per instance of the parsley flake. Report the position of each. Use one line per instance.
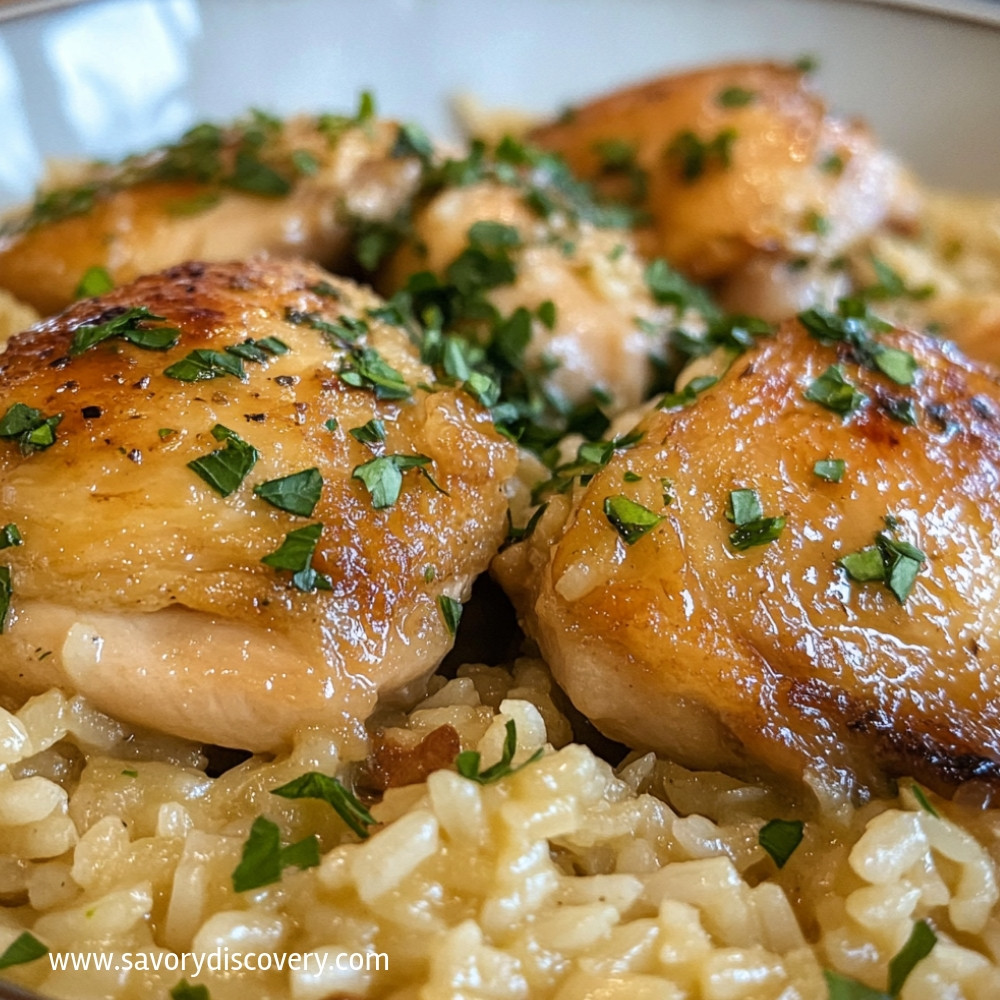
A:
(126, 324)
(6, 592)
(451, 612)
(95, 281)
(834, 392)
(29, 427)
(918, 946)
(921, 796)
(694, 155)
(383, 476)
(735, 97)
(10, 536)
(372, 432)
(467, 762)
(225, 468)
(367, 369)
(780, 837)
(295, 554)
(264, 859)
(830, 469)
(315, 785)
(840, 987)
(892, 560)
(297, 494)
(24, 948)
(202, 364)
(630, 519)
(185, 991)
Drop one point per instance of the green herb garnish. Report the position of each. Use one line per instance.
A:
(383, 476)
(185, 991)
(6, 592)
(451, 612)
(780, 837)
(367, 369)
(694, 155)
(29, 427)
(467, 762)
(834, 392)
(126, 324)
(264, 859)
(24, 948)
(918, 946)
(830, 469)
(752, 528)
(840, 987)
(372, 432)
(10, 536)
(225, 468)
(296, 494)
(921, 796)
(735, 97)
(295, 554)
(95, 281)
(314, 785)
(201, 365)
(630, 519)
(890, 559)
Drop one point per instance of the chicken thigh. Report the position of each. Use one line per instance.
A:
(237, 503)
(795, 567)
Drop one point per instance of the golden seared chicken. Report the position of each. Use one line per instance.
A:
(524, 263)
(294, 188)
(747, 180)
(799, 567)
(236, 503)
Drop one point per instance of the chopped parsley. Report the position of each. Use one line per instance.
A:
(383, 476)
(125, 323)
(735, 97)
(467, 762)
(32, 430)
(832, 163)
(202, 364)
(315, 785)
(295, 554)
(830, 469)
(840, 987)
(344, 333)
(917, 947)
(23, 949)
(372, 432)
(451, 612)
(185, 991)
(10, 536)
(921, 796)
(6, 592)
(752, 528)
(813, 222)
(834, 392)
(891, 560)
(694, 156)
(670, 287)
(687, 395)
(258, 350)
(630, 519)
(367, 369)
(890, 285)
(95, 281)
(225, 468)
(297, 493)
(264, 859)
(780, 837)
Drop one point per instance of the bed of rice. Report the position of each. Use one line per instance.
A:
(565, 879)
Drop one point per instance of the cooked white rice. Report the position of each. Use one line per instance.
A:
(564, 879)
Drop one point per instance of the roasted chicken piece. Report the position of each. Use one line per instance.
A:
(743, 174)
(799, 568)
(601, 335)
(292, 188)
(265, 525)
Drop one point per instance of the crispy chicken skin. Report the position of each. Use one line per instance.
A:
(145, 216)
(736, 162)
(726, 658)
(138, 585)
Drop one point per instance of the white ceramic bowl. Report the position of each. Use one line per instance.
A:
(108, 77)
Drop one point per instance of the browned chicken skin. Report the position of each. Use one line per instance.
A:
(721, 657)
(297, 194)
(140, 586)
(739, 166)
